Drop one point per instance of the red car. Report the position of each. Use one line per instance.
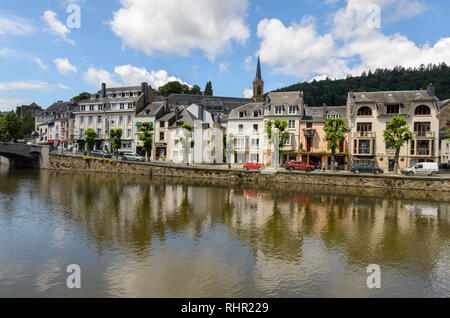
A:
(253, 166)
(296, 165)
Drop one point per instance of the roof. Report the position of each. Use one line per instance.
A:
(121, 89)
(151, 110)
(61, 107)
(315, 114)
(392, 97)
(249, 108)
(285, 98)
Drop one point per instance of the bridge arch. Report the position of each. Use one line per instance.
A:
(21, 155)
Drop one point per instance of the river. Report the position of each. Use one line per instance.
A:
(138, 237)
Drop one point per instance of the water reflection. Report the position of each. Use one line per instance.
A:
(173, 238)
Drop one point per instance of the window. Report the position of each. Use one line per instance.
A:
(122, 106)
(161, 136)
(309, 125)
(91, 107)
(393, 109)
(364, 146)
(278, 110)
(255, 128)
(422, 110)
(292, 109)
(241, 128)
(333, 116)
(120, 119)
(162, 124)
(99, 133)
(255, 142)
(81, 133)
(254, 157)
(241, 114)
(90, 119)
(365, 111)
(100, 107)
(364, 127)
(83, 108)
(309, 144)
(421, 129)
(99, 119)
(256, 113)
(128, 132)
(292, 124)
(130, 105)
(129, 120)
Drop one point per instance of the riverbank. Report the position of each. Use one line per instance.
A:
(289, 179)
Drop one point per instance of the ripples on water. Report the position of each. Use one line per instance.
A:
(135, 237)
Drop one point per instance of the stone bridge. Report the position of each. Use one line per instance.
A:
(25, 156)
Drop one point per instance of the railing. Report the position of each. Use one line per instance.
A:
(309, 132)
(364, 134)
(423, 152)
(424, 134)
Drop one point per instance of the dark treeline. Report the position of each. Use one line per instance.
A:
(334, 92)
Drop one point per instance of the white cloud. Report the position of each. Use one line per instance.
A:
(8, 103)
(16, 55)
(224, 67)
(177, 27)
(63, 86)
(248, 93)
(98, 76)
(249, 65)
(16, 26)
(64, 66)
(25, 85)
(129, 75)
(56, 26)
(350, 47)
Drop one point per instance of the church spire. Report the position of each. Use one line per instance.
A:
(258, 84)
(258, 71)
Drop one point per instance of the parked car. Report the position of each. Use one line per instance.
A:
(444, 168)
(133, 157)
(100, 154)
(365, 168)
(296, 165)
(253, 166)
(425, 168)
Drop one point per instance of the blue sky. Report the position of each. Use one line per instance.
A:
(125, 42)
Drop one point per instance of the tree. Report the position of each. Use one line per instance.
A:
(188, 144)
(90, 138)
(116, 135)
(196, 90)
(396, 135)
(174, 87)
(335, 131)
(28, 126)
(208, 89)
(147, 137)
(81, 97)
(284, 136)
(10, 127)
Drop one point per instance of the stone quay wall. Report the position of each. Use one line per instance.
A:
(290, 179)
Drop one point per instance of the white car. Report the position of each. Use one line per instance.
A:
(133, 157)
(425, 168)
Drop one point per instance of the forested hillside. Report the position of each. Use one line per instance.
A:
(334, 92)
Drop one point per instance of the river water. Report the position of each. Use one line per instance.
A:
(137, 237)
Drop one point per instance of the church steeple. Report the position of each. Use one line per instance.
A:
(258, 85)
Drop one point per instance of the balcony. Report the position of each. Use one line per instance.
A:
(309, 132)
(364, 134)
(424, 135)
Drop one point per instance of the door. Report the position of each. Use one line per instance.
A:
(391, 165)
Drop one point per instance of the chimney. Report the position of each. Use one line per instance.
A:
(144, 90)
(166, 104)
(431, 90)
(177, 113)
(200, 113)
(103, 90)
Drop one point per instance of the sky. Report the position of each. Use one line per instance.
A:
(53, 50)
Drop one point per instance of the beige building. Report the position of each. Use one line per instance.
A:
(369, 112)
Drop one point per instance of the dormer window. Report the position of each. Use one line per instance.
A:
(292, 109)
(393, 109)
(241, 114)
(278, 110)
(255, 113)
(91, 107)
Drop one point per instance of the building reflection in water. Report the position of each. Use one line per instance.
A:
(196, 240)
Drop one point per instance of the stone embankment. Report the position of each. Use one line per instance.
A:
(290, 179)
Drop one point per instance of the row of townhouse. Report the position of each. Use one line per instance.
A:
(55, 125)
(366, 115)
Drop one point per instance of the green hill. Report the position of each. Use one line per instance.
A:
(334, 92)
